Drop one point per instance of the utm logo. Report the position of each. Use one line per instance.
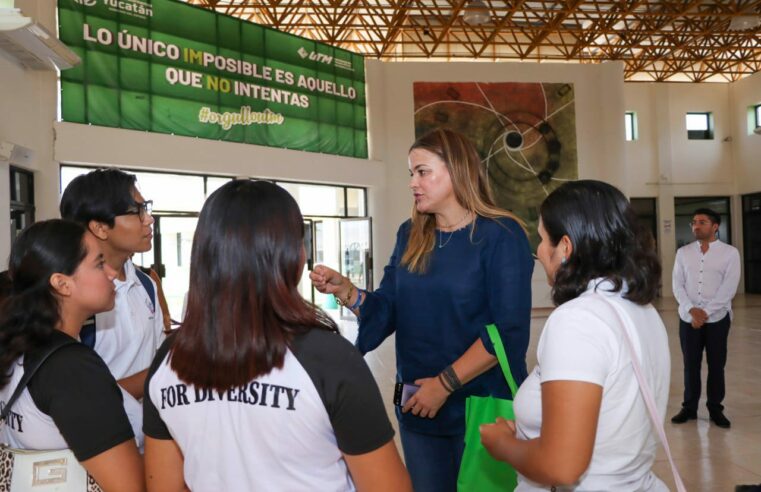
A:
(87, 3)
(314, 56)
(49, 472)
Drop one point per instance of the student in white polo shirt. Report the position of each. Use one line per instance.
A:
(258, 390)
(108, 203)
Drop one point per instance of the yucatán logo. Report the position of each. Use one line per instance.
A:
(135, 8)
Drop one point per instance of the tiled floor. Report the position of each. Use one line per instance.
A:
(710, 459)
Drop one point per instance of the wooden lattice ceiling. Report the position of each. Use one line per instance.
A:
(658, 40)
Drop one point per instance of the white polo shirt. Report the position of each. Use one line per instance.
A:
(707, 281)
(127, 337)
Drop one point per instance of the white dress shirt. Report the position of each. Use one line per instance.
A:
(707, 281)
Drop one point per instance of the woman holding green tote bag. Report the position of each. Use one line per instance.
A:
(459, 264)
(582, 417)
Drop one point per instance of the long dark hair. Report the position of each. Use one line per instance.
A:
(30, 311)
(608, 241)
(244, 307)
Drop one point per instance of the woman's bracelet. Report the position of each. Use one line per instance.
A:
(451, 378)
(360, 294)
(444, 383)
(345, 302)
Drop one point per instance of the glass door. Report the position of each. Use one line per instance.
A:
(356, 254)
(325, 241)
(305, 285)
(174, 241)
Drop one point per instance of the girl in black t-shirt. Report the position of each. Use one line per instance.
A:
(58, 279)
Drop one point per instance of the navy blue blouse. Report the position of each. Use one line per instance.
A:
(437, 316)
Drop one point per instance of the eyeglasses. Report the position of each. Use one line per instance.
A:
(141, 209)
(693, 223)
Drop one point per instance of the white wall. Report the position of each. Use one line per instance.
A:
(746, 93)
(27, 112)
(94, 145)
(664, 164)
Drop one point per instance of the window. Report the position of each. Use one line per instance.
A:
(757, 111)
(22, 200)
(630, 121)
(699, 126)
(177, 201)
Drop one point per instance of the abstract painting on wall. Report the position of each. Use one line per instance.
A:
(525, 134)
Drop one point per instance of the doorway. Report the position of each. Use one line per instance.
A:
(647, 213)
(752, 242)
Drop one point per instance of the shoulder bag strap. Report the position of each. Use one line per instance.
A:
(499, 349)
(88, 332)
(145, 279)
(29, 374)
(625, 320)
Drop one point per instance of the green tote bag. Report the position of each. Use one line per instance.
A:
(479, 472)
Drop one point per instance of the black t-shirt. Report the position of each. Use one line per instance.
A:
(76, 389)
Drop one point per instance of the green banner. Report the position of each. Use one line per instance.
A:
(168, 67)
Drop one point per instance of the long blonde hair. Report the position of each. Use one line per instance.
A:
(470, 187)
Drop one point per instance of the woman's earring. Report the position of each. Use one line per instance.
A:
(562, 260)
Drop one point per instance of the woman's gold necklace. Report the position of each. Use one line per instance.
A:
(444, 243)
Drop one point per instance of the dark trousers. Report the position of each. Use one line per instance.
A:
(713, 338)
(433, 461)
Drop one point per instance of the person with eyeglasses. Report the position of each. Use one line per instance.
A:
(705, 279)
(109, 204)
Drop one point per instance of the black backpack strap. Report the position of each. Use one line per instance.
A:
(145, 279)
(29, 374)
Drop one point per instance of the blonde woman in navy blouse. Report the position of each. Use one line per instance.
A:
(459, 264)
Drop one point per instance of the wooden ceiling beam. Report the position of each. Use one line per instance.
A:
(656, 40)
(572, 5)
(454, 16)
(500, 25)
(397, 21)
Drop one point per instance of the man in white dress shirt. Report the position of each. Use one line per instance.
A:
(705, 279)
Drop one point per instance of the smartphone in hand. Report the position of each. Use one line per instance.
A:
(403, 392)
